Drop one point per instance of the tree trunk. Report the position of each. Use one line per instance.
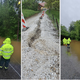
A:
(49, 10)
(57, 24)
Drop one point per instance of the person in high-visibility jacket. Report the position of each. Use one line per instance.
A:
(68, 43)
(64, 41)
(6, 51)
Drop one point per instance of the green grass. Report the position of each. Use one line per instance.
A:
(55, 14)
(27, 13)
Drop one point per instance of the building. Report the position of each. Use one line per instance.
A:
(41, 6)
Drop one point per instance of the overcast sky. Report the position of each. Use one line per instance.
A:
(70, 11)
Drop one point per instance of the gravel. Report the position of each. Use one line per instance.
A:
(40, 55)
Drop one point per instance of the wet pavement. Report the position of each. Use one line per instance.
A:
(11, 73)
(70, 64)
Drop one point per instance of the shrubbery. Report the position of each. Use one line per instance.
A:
(10, 20)
(30, 4)
(74, 30)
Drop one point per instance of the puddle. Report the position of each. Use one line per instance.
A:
(75, 48)
(16, 56)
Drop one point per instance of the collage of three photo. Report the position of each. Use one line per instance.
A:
(40, 39)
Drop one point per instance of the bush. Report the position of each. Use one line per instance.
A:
(30, 4)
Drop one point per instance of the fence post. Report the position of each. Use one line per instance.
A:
(57, 24)
(53, 17)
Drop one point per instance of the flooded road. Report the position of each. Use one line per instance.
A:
(14, 69)
(70, 65)
(75, 48)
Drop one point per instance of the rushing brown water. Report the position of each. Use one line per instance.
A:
(16, 56)
(75, 48)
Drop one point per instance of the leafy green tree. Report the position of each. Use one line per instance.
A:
(30, 4)
(73, 35)
(10, 19)
(77, 29)
(72, 27)
(52, 4)
(64, 31)
(56, 4)
(74, 30)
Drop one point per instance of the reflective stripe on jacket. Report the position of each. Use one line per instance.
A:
(7, 50)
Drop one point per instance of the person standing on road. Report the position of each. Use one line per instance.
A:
(68, 44)
(6, 51)
(64, 41)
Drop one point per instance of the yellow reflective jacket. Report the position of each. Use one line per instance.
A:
(64, 41)
(7, 50)
(68, 41)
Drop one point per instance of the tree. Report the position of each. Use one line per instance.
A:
(30, 4)
(52, 4)
(55, 4)
(9, 19)
(73, 35)
(77, 29)
(72, 27)
(64, 31)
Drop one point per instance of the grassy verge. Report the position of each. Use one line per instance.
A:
(55, 14)
(27, 13)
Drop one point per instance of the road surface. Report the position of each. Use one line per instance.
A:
(40, 49)
(13, 72)
(70, 66)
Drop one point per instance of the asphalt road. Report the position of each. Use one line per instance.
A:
(13, 72)
(70, 66)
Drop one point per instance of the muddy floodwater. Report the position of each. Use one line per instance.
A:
(70, 64)
(16, 56)
(75, 48)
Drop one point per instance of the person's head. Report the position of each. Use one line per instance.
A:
(64, 38)
(7, 41)
(69, 38)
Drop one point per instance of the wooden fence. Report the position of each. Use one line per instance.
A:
(56, 22)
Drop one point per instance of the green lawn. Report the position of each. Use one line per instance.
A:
(27, 13)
